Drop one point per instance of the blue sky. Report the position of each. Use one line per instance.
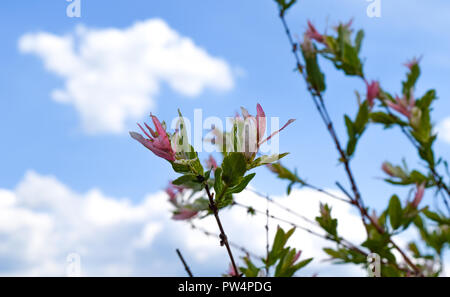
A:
(49, 138)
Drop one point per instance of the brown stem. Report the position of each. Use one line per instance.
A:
(222, 236)
(407, 260)
(319, 102)
(186, 267)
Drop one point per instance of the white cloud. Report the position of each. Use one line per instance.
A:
(113, 76)
(42, 221)
(443, 130)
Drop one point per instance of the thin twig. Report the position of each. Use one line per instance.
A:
(222, 236)
(282, 220)
(271, 200)
(341, 187)
(232, 244)
(342, 241)
(327, 193)
(186, 267)
(312, 187)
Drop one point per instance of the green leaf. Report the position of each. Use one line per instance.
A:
(417, 178)
(289, 188)
(224, 200)
(331, 43)
(332, 253)
(286, 266)
(386, 119)
(342, 53)
(266, 160)
(351, 146)
(302, 264)
(350, 128)
(218, 185)
(411, 79)
(242, 185)
(352, 136)
(426, 152)
(344, 255)
(352, 65)
(234, 167)
(356, 129)
(358, 40)
(185, 179)
(395, 212)
(436, 217)
(180, 167)
(188, 166)
(315, 76)
(282, 263)
(378, 243)
(326, 221)
(414, 249)
(207, 175)
(362, 118)
(251, 270)
(200, 204)
(422, 130)
(279, 242)
(390, 271)
(284, 6)
(426, 100)
(284, 173)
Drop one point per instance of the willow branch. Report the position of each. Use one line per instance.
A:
(320, 105)
(186, 267)
(223, 237)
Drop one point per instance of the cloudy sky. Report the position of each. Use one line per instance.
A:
(73, 181)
